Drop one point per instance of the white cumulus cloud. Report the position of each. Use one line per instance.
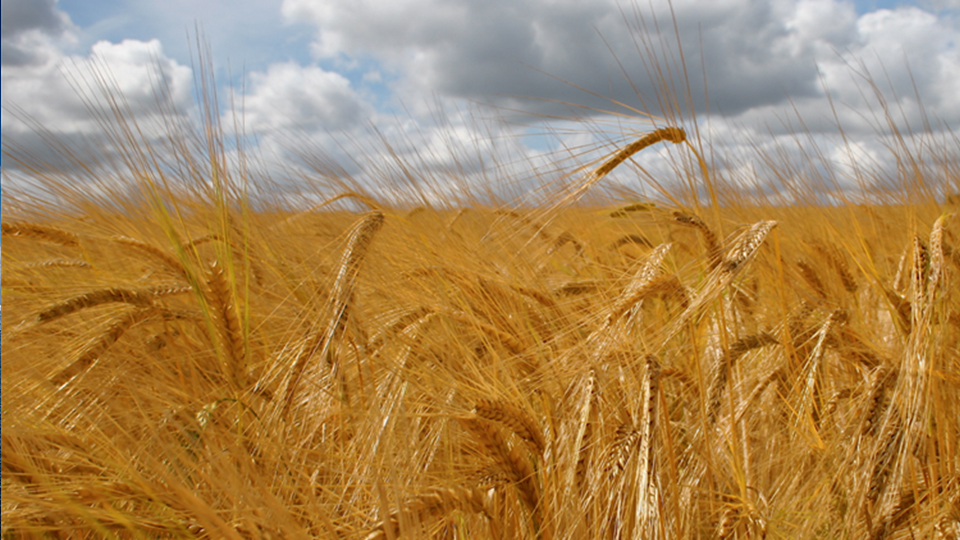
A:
(307, 98)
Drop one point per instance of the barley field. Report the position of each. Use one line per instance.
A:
(181, 361)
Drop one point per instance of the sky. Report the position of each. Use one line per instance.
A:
(473, 84)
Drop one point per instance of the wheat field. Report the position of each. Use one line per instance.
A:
(179, 362)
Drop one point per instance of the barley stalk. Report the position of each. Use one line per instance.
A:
(710, 239)
(744, 250)
(810, 406)
(672, 134)
(626, 210)
(422, 509)
(222, 302)
(168, 260)
(59, 263)
(813, 280)
(43, 233)
(361, 235)
(514, 462)
(563, 239)
(881, 380)
(630, 239)
(727, 362)
(95, 349)
(839, 265)
(96, 298)
(514, 419)
(367, 201)
(738, 257)
(646, 512)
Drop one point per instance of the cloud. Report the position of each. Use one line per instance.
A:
(21, 16)
(902, 67)
(754, 52)
(764, 64)
(27, 28)
(753, 55)
(65, 95)
(289, 96)
(63, 113)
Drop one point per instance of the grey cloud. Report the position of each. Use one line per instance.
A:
(20, 16)
(15, 56)
(69, 101)
(21, 23)
(754, 52)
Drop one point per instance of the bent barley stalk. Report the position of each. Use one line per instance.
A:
(718, 280)
(713, 245)
(630, 239)
(59, 263)
(727, 362)
(672, 134)
(514, 462)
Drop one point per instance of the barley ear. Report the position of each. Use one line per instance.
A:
(514, 419)
(59, 263)
(233, 345)
(747, 247)
(513, 461)
(726, 363)
(647, 485)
